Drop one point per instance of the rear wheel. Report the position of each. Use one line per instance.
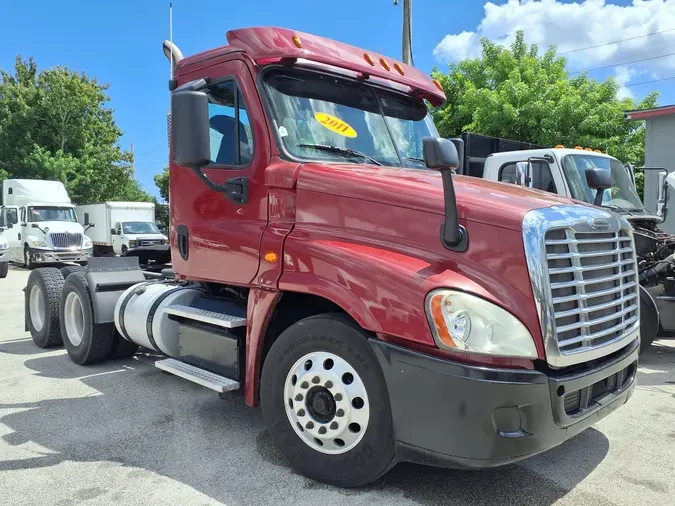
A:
(4, 269)
(68, 269)
(87, 342)
(43, 291)
(325, 402)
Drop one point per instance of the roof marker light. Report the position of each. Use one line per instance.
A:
(369, 59)
(438, 85)
(578, 147)
(559, 146)
(399, 69)
(588, 149)
(385, 64)
(597, 151)
(297, 41)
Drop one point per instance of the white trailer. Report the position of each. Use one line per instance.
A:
(124, 228)
(39, 223)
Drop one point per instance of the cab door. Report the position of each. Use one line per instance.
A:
(10, 220)
(216, 234)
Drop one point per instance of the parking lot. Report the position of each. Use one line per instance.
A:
(125, 433)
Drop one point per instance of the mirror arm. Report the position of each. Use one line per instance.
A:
(598, 197)
(453, 236)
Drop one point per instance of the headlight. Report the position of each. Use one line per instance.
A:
(132, 243)
(40, 244)
(467, 323)
(4, 244)
(87, 243)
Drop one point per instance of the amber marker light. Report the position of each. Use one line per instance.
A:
(399, 69)
(439, 321)
(385, 64)
(438, 85)
(271, 257)
(297, 41)
(369, 59)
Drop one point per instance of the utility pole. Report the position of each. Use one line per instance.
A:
(407, 32)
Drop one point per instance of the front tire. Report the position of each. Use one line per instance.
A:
(325, 402)
(43, 291)
(87, 342)
(4, 269)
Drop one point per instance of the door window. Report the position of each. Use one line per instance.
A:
(118, 229)
(542, 177)
(10, 216)
(229, 125)
(23, 215)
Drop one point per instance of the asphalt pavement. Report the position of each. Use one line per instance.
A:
(125, 433)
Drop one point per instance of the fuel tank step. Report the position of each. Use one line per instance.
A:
(202, 315)
(196, 375)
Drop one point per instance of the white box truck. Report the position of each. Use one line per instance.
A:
(40, 225)
(125, 229)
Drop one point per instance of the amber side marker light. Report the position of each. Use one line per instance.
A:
(588, 149)
(597, 151)
(559, 146)
(369, 59)
(439, 321)
(385, 64)
(578, 147)
(297, 41)
(438, 85)
(399, 69)
(271, 257)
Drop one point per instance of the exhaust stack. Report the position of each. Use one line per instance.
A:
(172, 53)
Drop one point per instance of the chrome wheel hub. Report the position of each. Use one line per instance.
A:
(326, 403)
(36, 304)
(74, 318)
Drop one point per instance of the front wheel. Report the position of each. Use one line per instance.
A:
(325, 402)
(4, 269)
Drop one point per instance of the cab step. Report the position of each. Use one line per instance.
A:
(204, 378)
(205, 316)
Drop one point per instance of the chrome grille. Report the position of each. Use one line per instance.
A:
(584, 278)
(593, 286)
(65, 240)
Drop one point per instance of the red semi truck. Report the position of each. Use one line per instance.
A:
(330, 265)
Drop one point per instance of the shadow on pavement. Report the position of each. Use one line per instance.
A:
(154, 421)
(23, 346)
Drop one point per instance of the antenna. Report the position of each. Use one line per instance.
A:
(171, 39)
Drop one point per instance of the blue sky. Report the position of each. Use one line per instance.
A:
(119, 42)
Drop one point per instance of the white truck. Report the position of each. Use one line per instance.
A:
(40, 225)
(125, 229)
(600, 179)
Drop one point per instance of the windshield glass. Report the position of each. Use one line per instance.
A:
(139, 227)
(324, 117)
(44, 213)
(622, 195)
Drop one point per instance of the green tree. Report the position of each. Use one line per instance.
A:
(519, 94)
(162, 183)
(54, 124)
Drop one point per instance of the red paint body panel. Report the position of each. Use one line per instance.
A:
(273, 43)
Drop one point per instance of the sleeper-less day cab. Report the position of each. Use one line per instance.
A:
(328, 263)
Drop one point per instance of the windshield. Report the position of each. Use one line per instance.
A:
(622, 195)
(44, 213)
(323, 117)
(139, 227)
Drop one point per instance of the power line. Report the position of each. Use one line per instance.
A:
(614, 42)
(624, 63)
(649, 82)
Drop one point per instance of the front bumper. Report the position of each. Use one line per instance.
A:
(453, 415)
(54, 256)
(160, 254)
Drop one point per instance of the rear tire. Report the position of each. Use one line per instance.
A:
(69, 269)
(4, 269)
(43, 292)
(121, 348)
(325, 402)
(87, 342)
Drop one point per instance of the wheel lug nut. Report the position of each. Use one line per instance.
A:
(298, 397)
(310, 425)
(301, 412)
(304, 384)
(329, 384)
(340, 412)
(333, 425)
(316, 380)
(338, 397)
(322, 430)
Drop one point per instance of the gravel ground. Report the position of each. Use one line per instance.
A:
(124, 433)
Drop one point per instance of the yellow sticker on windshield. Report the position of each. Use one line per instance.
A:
(335, 125)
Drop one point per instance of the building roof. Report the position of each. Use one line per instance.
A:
(269, 45)
(649, 113)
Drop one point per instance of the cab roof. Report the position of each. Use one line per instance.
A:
(268, 45)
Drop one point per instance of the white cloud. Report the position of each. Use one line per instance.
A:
(571, 26)
(623, 76)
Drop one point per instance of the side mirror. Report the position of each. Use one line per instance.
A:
(10, 225)
(112, 231)
(631, 171)
(190, 136)
(599, 180)
(521, 173)
(441, 154)
(664, 182)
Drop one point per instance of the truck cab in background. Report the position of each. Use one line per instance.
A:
(571, 172)
(40, 223)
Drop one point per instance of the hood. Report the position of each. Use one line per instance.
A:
(478, 200)
(56, 226)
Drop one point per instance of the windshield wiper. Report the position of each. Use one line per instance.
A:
(344, 151)
(614, 206)
(415, 159)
